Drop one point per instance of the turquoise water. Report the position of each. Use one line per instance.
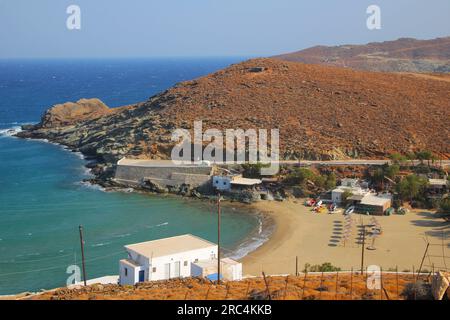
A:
(42, 199)
(43, 203)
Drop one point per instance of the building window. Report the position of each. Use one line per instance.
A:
(154, 269)
(126, 272)
(185, 263)
(196, 260)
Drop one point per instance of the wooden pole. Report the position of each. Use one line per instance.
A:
(381, 283)
(218, 238)
(304, 283)
(267, 286)
(82, 253)
(207, 292)
(421, 263)
(296, 266)
(285, 287)
(337, 282)
(320, 287)
(246, 291)
(415, 285)
(363, 247)
(396, 272)
(351, 284)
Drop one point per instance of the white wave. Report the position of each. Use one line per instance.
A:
(252, 243)
(10, 132)
(101, 244)
(158, 225)
(123, 235)
(91, 186)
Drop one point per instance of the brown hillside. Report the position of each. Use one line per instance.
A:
(322, 113)
(402, 55)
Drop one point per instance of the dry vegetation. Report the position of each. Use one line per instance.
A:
(290, 288)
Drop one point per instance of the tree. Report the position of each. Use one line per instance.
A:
(424, 155)
(345, 195)
(411, 156)
(331, 181)
(391, 171)
(253, 170)
(398, 158)
(444, 206)
(378, 177)
(300, 176)
(411, 186)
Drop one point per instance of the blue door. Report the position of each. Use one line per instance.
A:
(141, 276)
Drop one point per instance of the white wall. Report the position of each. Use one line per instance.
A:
(132, 276)
(147, 264)
(222, 183)
(185, 270)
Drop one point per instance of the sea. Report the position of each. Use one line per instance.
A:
(43, 196)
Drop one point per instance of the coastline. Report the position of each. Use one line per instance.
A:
(314, 239)
(255, 239)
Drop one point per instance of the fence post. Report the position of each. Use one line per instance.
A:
(320, 287)
(304, 284)
(337, 281)
(415, 285)
(381, 283)
(296, 266)
(351, 284)
(396, 272)
(285, 287)
(267, 286)
(207, 292)
(228, 289)
(246, 291)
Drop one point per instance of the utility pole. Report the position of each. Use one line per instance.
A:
(218, 237)
(82, 254)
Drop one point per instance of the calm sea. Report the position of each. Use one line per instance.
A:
(42, 198)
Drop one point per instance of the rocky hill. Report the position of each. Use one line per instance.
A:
(322, 112)
(402, 55)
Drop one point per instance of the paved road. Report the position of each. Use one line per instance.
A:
(356, 162)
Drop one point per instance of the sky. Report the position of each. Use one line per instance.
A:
(161, 28)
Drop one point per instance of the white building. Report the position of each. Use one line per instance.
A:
(226, 183)
(169, 258)
(336, 194)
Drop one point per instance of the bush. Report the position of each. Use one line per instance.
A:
(299, 176)
(324, 267)
(417, 291)
(444, 206)
(253, 170)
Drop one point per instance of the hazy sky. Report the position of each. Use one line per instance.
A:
(148, 28)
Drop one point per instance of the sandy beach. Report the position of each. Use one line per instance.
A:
(318, 238)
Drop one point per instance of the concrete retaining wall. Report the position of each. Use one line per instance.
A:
(168, 176)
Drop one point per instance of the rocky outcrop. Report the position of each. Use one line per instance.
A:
(321, 112)
(69, 113)
(402, 55)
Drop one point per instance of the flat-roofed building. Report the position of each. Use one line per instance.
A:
(165, 258)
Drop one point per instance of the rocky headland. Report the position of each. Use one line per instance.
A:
(322, 112)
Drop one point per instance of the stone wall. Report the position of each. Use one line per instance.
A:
(194, 176)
